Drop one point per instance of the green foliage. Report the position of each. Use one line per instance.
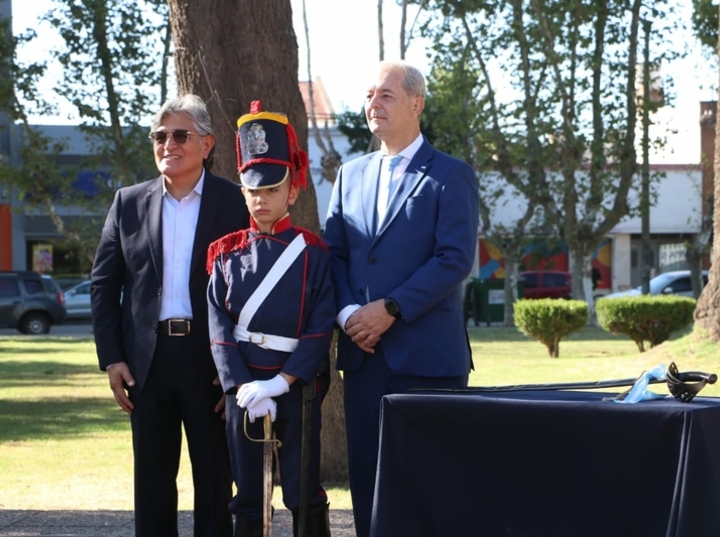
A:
(112, 57)
(540, 98)
(113, 61)
(705, 23)
(354, 126)
(645, 319)
(549, 320)
(18, 79)
(112, 65)
(453, 93)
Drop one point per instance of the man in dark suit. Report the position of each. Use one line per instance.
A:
(402, 233)
(150, 319)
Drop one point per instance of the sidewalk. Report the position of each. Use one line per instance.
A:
(120, 523)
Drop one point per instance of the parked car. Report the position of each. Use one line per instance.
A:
(30, 302)
(676, 282)
(68, 281)
(546, 284)
(77, 301)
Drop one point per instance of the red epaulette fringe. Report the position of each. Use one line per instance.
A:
(311, 239)
(232, 241)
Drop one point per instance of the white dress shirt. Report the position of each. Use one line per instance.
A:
(179, 220)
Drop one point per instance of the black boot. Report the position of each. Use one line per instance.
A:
(247, 528)
(318, 521)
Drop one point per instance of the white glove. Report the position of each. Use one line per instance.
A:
(261, 409)
(261, 389)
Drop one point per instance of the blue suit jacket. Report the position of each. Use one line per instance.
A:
(422, 252)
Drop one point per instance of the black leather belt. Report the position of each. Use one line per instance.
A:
(175, 327)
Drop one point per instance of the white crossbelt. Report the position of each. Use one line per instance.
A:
(269, 341)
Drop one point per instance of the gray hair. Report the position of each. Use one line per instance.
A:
(413, 79)
(194, 107)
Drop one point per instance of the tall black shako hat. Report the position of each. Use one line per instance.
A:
(268, 151)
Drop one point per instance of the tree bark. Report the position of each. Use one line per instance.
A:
(231, 53)
(245, 51)
(707, 312)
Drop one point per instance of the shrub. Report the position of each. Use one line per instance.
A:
(650, 319)
(549, 320)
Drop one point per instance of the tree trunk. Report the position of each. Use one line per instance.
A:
(245, 51)
(707, 312)
(511, 290)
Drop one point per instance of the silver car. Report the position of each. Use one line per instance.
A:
(676, 282)
(77, 301)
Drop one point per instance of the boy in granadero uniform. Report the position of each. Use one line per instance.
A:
(271, 313)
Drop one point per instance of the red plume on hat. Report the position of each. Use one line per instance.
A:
(268, 150)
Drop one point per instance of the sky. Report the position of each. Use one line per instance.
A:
(344, 52)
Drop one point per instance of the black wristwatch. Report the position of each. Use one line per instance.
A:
(392, 308)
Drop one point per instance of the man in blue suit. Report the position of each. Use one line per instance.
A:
(402, 233)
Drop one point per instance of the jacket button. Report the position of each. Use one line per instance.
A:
(372, 260)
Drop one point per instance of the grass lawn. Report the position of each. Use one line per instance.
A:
(64, 444)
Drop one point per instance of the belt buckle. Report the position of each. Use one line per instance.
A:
(178, 334)
(260, 342)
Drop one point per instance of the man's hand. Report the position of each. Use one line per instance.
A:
(261, 408)
(367, 324)
(220, 407)
(251, 392)
(119, 377)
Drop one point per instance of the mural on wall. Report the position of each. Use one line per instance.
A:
(602, 262)
(42, 258)
(543, 255)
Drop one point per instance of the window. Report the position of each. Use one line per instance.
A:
(33, 287)
(554, 280)
(9, 288)
(681, 285)
(531, 280)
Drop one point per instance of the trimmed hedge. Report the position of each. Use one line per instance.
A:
(549, 320)
(646, 319)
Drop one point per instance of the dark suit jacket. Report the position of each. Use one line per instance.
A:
(129, 264)
(420, 256)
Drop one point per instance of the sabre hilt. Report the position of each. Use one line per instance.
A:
(678, 383)
(267, 422)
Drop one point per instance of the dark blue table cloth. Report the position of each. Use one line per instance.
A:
(546, 464)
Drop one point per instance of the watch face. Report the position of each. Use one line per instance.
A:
(391, 306)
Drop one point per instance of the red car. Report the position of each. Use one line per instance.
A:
(546, 284)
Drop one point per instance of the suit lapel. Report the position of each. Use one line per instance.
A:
(416, 170)
(209, 209)
(153, 224)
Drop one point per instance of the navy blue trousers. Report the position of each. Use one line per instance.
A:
(364, 389)
(247, 456)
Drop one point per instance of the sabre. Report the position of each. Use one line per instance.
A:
(683, 386)
(268, 442)
(267, 476)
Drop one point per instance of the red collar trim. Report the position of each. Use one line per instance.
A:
(283, 224)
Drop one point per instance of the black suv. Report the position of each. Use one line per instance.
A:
(30, 302)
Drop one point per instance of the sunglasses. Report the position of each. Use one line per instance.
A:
(179, 136)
